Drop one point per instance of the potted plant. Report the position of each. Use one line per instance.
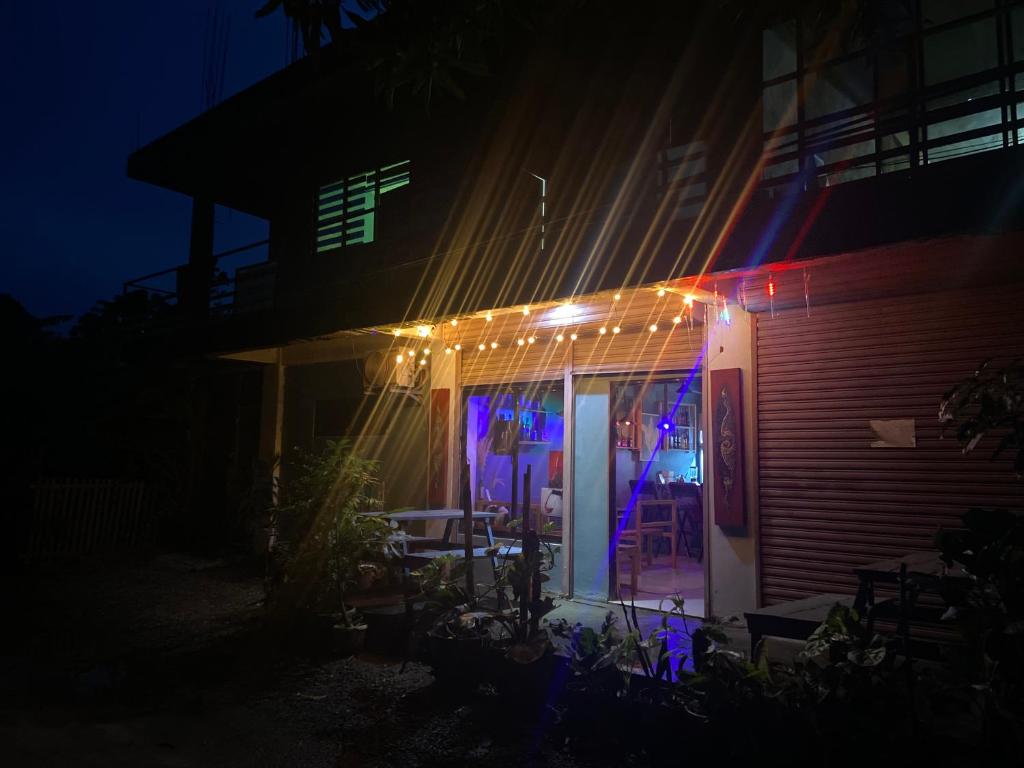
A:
(327, 539)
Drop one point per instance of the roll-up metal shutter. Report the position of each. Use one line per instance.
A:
(511, 363)
(828, 500)
(669, 349)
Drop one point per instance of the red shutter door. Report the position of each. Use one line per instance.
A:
(828, 501)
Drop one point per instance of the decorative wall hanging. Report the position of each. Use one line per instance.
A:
(437, 459)
(727, 449)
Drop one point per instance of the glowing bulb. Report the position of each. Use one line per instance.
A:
(454, 322)
(616, 329)
(602, 330)
(677, 320)
(494, 345)
(771, 287)
(521, 342)
(447, 350)
(489, 317)
(526, 311)
(426, 350)
(661, 293)
(458, 347)
(423, 331)
(688, 300)
(616, 297)
(531, 339)
(423, 361)
(559, 338)
(573, 337)
(482, 347)
(398, 331)
(399, 359)
(653, 327)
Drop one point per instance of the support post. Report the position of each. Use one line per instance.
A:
(467, 530)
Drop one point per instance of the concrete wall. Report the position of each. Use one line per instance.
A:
(590, 488)
(732, 557)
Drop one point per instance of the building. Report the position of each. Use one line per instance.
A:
(554, 271)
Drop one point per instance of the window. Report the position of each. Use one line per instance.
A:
(836, 109)
(346, 209)
(682, 176)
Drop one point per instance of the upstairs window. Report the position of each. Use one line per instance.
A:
(346, 209)
(897, 86)
(682, 178)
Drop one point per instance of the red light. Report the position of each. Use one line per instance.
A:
(771, 287)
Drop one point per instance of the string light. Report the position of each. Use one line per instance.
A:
(559, 338)
(602, 330)
(489, 317)
(454, 322)
(423, 331)
(616, 329)
(426, 350)
(447, 350)
(521, 342)
(399, 359)
(677, 320)
(661, 293)
(573, 336)
(494, 345)
(398, 331)
(617, 297)
(688, 300)
(526, 311)
(423, 361)
(482, 347)
(653, 327)
(771, 294)
(531, 339)
(458, 347)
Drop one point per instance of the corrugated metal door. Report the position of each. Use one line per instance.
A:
(542, 361)
(828, 501)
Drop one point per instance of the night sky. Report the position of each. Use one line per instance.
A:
(82, 85)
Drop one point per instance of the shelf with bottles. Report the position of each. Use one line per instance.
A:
(680, 435)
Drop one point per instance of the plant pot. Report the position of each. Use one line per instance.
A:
(348, 640)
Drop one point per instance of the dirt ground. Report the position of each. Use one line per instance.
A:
(164, 665)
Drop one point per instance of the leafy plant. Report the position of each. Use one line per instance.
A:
(325, 533)
(988, 401)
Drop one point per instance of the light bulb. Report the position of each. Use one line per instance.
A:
(426, 350)
(616, 297)
(653, 328)
(494, 345)
(661, 293)
(602, 330)
(521, 342)
(526, 311)
(489, 317)
(423, 331)
(677, 319)
(531, 339)
(482, 347)
(688, 300)
(573, 337)
(616, 329)
(458, 347)
(447, 350)
(399, 359)
(454, 322)
(559, 338)
(423, 361)
(398, 331)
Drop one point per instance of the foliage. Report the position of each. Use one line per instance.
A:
(988, 401)
(325, 535)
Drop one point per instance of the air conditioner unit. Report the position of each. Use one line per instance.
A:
(382, 374)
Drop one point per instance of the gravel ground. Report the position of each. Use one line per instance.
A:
(166, 665)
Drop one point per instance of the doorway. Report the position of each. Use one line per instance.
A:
(656, 476)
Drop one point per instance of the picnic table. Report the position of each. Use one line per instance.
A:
(446, 545)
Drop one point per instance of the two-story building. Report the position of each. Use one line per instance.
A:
(726, 265)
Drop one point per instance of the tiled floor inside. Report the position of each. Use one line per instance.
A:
(659, 580)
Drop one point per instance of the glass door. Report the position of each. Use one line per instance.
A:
(507, 429)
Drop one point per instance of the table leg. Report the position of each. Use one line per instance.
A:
(449, 526)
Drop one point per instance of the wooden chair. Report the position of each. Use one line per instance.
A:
(691, 518)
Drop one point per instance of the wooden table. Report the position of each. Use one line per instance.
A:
(450, 516)
(795, 620)
(925, 568)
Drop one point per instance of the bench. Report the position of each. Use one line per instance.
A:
(795, 620)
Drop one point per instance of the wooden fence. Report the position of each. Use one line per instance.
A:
(88, 518)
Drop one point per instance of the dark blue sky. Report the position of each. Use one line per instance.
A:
(80, 83)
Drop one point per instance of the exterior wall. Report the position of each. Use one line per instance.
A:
(395, 427)
(732, 558)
